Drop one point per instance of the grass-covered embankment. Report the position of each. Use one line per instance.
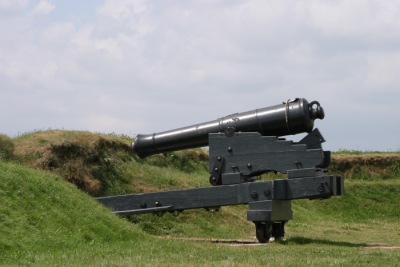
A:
(40, 213)
(45, 220)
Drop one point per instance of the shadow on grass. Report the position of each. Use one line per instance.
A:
(296, 240)
(304, 240)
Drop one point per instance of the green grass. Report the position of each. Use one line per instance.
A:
(40, 213)
(46, 221)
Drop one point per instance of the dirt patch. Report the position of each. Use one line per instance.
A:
(381, 246)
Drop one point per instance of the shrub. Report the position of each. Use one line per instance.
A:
(6, 147)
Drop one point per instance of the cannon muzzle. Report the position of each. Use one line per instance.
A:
(291, 117)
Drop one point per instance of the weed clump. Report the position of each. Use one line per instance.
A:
(6, 147)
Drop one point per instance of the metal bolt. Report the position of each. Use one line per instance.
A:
(229, 149)
(254, 195)
(249, 165)
(215, 169)
(143, 205)
(267, 192)
(321, 188)
(219, 158)
(158, 204)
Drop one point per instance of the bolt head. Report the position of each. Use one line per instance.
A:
(321, 188)
(254, 195)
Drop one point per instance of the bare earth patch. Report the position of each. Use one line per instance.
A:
(381, 246)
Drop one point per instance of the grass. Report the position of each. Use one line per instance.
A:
(53, 224)
(47, 221)
(39, 213)
(188, 253)
(366, 166)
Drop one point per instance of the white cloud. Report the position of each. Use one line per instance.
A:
(384, 69)
(44, 7)
(8, 5)
(122, 9)
(143, 66)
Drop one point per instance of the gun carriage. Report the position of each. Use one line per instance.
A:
(243, 146)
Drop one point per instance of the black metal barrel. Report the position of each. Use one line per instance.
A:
(291, 117)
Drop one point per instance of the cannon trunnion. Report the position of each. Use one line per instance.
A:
(242, 147)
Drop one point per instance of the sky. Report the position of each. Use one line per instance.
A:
(133, 66)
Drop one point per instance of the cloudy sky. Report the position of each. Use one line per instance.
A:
(135, 66)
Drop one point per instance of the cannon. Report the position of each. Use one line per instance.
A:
(292, 117)
(242, 147)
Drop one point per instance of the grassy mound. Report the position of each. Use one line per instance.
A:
(82, 158)
(99, 164)
(79, 159)
(366, 166)
(40, 213)
(45, 220)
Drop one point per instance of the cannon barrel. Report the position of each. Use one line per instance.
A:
(291, 117)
